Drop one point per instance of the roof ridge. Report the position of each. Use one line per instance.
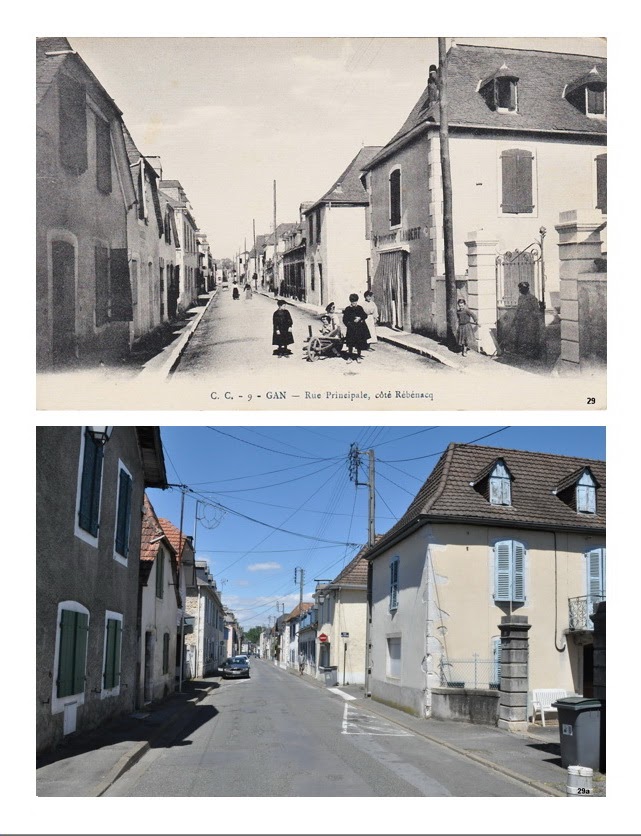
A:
(531, 50)
(530, 452)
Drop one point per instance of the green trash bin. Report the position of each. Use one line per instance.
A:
(580, 731)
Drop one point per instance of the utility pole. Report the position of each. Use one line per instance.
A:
(255, 256)
(446, 177)
(354, 466)
(276, 289)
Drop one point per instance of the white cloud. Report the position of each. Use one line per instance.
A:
(263, 567)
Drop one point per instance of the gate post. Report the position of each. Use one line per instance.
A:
(481, 289)
(513, 687)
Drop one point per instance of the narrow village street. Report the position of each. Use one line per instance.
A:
(277, 735)
(234, 339)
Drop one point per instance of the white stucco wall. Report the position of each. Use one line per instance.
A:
(159, 616)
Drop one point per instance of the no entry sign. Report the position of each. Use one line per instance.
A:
(322, 637)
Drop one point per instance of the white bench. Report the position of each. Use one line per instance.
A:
(542, 699)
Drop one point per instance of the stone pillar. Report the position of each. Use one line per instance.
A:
(481, 289)
(513, 688)
(579, 245)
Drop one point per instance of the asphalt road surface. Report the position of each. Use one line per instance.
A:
(276, 735)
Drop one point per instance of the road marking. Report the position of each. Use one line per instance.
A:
(341, 693)
(358, 722)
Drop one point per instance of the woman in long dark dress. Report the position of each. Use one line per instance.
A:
(282, 334)
(357, 333)
(466, 323)
(528, 323)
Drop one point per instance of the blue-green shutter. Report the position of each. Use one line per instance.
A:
(124, 514)
(89, 509)
(596, 572)
(66, 655)
(80, 652)
(112, 654)
(518, 571)
(503, 571)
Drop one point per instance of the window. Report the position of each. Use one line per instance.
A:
(72, 652)
(517, 182)
(160, 574)
(393, 585)
(318, 225)
(602, 182)
(312, 275)
(103, 156)
(586, 494)
(73, 124)
(505, 94)
(509, 571)
(123, 514)
(395, 197)
(595, 100)
(500, 485)
(310, 225)
(394, 657)
(595, 566)
(165, 653)
(91, 456)
(324, 656)
(113, 644)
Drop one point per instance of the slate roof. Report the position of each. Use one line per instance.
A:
(542, 79)
(348, 189)
(447, 495)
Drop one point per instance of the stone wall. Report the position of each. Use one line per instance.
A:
(466, 704)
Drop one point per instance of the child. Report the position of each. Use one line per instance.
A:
(465, 327)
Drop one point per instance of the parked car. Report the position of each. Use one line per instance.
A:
(234, 668)
(243, 656)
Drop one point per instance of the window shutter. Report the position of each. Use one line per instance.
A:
(518, 572)
(503, 571)
(395, 197)
(596, 574)
(124, 514)
(73, 124)
(160, 572)
(103, 156)
(102, 285)
(80, 652)
(516, 167)
(394, 584)
(66, 655)
(142, 194)
(112, 655)
(121, 301)
(165, 653)
(506, 491)
(496, 491)
(602, 182)
(90, 486)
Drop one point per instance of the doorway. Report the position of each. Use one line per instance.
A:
(63, 319)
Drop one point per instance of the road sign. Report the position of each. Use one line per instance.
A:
(344, 635)
(322, 637)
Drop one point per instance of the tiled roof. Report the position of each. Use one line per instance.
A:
(299, 609)
(355, 573)
(448, 495)
(348, 189)
(542, 78)
(151, 532)
(177, 540)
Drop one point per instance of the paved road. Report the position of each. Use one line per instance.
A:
(277, 735)
(233, 344)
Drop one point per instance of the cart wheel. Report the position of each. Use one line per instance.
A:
(313, 349)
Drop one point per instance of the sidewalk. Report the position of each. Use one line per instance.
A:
(534, 757)
(88, 763)
(425, 346)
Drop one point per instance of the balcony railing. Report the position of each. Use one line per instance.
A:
(581, 609)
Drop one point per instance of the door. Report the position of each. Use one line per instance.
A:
(391, 276)
(63, 270)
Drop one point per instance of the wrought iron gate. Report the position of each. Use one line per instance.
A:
(513, 267)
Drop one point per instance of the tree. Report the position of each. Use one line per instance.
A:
(253, 634)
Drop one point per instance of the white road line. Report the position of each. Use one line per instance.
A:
(363, 724)
(341, 694)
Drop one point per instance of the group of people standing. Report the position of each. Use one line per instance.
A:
(357, 326)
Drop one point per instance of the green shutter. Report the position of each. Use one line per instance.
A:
(66, 654)
(89, 509)
(124, 513)
(503, 571)
(518, 571)
(80, 652)
(112, 654)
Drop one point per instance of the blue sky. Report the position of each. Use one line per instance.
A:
(247, 482)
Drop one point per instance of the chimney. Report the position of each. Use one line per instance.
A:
(156, 164)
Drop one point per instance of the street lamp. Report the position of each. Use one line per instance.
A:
(100, 435)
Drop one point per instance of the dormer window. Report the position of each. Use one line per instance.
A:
(500, 90)
(588, 94)
(500, 485)
(586, 494)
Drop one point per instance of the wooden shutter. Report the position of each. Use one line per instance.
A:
(112, 653)
(73, 124)
(518, 571)
(103, 156)
(121, 301)
(516, 167)
(394, 584)
(80, 652)
(395, 197)
(596, 574)
(503, 571)
(160, 574)
(102, 285)
(124, 513)
(66, 655)
(602, 182)
(89, 509)
(165, 653)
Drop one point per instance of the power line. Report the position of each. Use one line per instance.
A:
(400, 487)
(289, 507)
(253, 475)
(409, 435)
(440, 452)
(268, 449)
(276, 484)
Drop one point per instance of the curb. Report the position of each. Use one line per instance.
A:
(137, 751)
(167, 366)
(530, 782)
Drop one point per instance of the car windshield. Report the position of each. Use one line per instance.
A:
(238, 660)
